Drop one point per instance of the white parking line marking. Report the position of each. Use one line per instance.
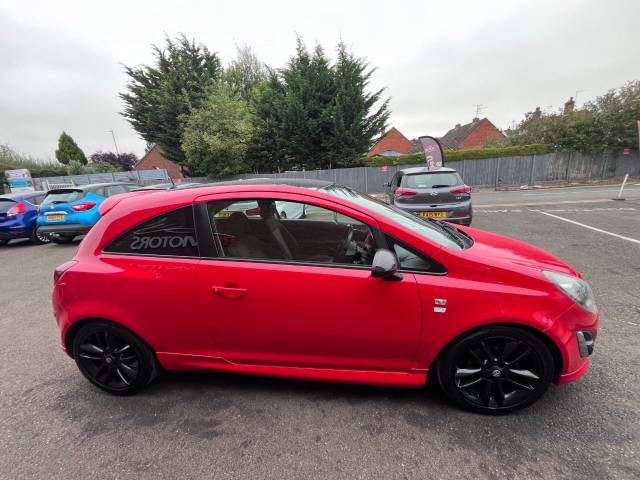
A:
(535, 204)
(574, 210)
(589, 227)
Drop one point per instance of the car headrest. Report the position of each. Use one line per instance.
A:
(237, 223)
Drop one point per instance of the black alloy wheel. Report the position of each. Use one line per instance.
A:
(39, 238)
(496, 370)
(113, 358)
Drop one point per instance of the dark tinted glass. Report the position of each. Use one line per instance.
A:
(431, 180)
(6, 204)
(62, 196)
(170, 234)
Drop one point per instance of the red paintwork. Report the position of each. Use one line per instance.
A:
(312, 322)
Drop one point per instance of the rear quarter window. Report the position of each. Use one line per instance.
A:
(170, 234)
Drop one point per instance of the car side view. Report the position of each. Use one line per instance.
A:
(18, 215)
(428, 193)
(186, 280)
(66, 213)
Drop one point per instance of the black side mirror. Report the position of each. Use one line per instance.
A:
(385, 265)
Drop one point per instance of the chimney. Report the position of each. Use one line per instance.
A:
(475, 120)
(568, 106)
(382, 132)
(457, 126)
(537, 114)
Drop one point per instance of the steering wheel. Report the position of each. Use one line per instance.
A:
(344, 245)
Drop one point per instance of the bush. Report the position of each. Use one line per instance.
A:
(12, 160)
(469, 154)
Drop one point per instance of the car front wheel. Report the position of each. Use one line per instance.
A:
(496, 370)
(113, 358)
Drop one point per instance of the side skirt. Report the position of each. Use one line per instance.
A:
(177, 361)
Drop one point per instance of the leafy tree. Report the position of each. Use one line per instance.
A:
(609, 122)
(246, 73)
(312, 114)
(120, 162)
(160, 95)
(69, 151)
(358, 116)
(217, 134)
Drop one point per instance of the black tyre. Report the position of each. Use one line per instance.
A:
(61, 240)
(496, 370)
(3, 242)
(39, 238)
(113, 358)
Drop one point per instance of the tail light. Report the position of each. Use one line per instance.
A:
(59, 271)
(17, 210)
(402, 192)
(83, 207)
(252, 212)
(461, 189)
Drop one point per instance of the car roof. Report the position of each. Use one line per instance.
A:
(414, 170)
(91, 186)
(291, 182)
(19, 196)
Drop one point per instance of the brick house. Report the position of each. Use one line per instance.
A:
(476, 134)
(391, 144)
(154, 158)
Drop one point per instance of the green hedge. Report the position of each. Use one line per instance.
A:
(469, 154)
(12, 160)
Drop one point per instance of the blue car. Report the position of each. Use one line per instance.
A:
(66, 213)
(18, 214)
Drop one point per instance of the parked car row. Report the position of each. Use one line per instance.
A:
(62, 214)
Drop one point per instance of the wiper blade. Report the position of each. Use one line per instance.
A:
(453, 232)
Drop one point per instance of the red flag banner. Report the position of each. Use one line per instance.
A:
(432, 152)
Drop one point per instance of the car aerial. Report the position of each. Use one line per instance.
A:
(428, 193)
(374, 295)
(66, 213)
(18, 215)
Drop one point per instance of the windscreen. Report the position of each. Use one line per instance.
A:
(6, 204)
(62, 196)
(431, 180)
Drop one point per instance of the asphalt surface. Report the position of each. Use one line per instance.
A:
(54, 424)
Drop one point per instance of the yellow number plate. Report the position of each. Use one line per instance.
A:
(55, 218)
(433, 214)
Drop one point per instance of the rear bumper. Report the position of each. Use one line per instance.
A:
(461, 212)
(64, 229)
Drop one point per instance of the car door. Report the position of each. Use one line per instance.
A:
(309, 311)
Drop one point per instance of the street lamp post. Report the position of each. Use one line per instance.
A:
(114, 142)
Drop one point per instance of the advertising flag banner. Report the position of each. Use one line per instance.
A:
(19, 180)
(432, 152)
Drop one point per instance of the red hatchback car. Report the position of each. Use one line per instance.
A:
(349, 289)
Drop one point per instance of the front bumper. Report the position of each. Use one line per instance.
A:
(565, 333)
(64, 229)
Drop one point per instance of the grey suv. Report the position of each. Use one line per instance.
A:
(437, 194)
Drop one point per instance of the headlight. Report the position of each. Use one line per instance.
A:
(577, 289)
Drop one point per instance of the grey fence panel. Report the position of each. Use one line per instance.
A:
(131, 176)
(515, 171)
(481, 173)
(551, 167)
(623, 164)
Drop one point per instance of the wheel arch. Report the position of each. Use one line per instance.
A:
(77, 325)
(546, 339)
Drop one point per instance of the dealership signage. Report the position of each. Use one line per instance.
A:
(19, 180)
(432, 152)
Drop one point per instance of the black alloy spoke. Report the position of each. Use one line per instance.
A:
(520, 357)
(523, 386)
(109, 360)
(488, 352)
(91, 348)
(510, 347)
(526, 374)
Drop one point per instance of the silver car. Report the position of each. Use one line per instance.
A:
(439, 194)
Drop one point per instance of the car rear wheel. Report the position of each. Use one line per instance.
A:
(496, 370)
(62, 239)
(39, 238)
(113, 358)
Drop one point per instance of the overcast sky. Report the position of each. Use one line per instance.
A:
(60, 61)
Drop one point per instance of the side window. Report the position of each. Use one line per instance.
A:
(115, 189)
(170, 234)
(409, 259)
(270, 229)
